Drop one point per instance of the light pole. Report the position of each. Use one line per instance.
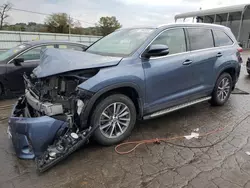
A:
(69, 25)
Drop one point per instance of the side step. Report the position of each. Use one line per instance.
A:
(174, 108)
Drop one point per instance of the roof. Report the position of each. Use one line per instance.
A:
(38, 42)
(174, 25)
(191, 25)
(221, 10)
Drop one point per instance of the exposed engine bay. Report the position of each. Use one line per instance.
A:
(58, 98)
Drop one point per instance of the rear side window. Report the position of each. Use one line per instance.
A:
(34, 54)
(221, 38)
(174, 39)
(200, 38)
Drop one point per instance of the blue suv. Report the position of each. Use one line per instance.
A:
(135, 73)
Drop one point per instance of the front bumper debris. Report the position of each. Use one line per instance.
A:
(45, 139)
(32, 136)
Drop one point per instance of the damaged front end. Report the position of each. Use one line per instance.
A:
(47, 122)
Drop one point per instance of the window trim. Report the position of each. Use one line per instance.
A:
(31, 48)
(225, 34)
(38, 45)
(187, 40)
(183, 28)
(189, 47)
(213, 48)
(213, 37)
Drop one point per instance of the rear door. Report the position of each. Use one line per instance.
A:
(204, 56)
(227, 53)
(14, 74)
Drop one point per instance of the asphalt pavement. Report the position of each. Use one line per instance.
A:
(225, 164)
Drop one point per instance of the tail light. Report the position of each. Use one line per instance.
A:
(240, 50)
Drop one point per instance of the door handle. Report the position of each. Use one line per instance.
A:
(187, 62)
(219, 54)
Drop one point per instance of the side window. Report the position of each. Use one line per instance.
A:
(174, 39)
(221, 38)
(200, 38)
(34, 54)
(70, 47)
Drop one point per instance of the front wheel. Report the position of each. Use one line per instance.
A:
(222, 90)
(115, 115)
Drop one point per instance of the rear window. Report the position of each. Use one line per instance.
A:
(200, 38)
(221, 38)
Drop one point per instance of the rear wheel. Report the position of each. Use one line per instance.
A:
(115, 115)
(1, 89)
(222, 90)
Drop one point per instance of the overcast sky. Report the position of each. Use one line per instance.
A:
(128, 12)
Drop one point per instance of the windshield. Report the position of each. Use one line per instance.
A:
(120, 43)
(7, 54)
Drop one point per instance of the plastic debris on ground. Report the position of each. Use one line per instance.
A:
(192, 135)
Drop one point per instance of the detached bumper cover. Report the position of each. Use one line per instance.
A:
(32, 136)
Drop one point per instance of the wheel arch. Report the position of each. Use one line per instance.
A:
(131, 90)
(230, 70)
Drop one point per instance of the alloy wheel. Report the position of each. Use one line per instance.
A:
(223, 89)
(114, 120)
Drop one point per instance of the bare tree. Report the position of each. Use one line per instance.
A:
(4, 9)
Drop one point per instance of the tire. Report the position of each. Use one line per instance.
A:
(2, 92)
(123, 122)
(220, 96)
(1, 89)
(248, 71)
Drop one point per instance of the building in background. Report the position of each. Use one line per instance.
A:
(235, 17)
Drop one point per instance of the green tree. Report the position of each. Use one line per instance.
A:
(20, 26)
(108, 24)
(59, 23)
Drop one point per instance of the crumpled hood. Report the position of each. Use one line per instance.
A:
(55, 61)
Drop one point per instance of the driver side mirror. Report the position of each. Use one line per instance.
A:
(156, 50)
(18, 61)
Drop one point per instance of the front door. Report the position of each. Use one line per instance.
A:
(14, 74)
(170, 79)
